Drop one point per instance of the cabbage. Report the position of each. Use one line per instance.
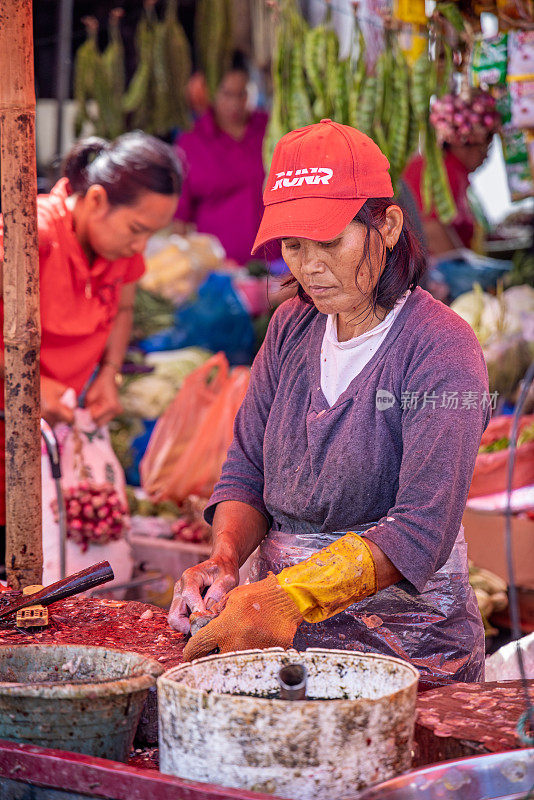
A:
(490, 316)
(482, 311)
(148, 396)
(519, 299)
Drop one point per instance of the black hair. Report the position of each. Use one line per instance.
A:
(131, 165)
(238, 63)
(405, 263)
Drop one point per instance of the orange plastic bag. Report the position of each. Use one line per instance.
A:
(188, 446)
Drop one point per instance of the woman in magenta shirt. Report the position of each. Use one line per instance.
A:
(222, 192)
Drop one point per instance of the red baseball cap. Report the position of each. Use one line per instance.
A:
(320, 177)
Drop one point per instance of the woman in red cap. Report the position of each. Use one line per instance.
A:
(93, 228)
(354, 448)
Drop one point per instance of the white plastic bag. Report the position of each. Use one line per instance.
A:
(103, 466)
(504, 665)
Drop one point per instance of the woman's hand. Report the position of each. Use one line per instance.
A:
(102, 397)
(220, 574)
(52, 409)
(256, 615)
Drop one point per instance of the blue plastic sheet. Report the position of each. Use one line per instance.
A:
(216, 320)
(465, 268)
(137, 449)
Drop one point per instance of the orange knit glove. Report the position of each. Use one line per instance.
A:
(256, 615)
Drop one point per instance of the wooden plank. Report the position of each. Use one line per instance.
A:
(100, 778)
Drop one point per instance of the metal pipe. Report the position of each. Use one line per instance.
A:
(129, 584)
(63, 70)
(292, 680)
(49, 438)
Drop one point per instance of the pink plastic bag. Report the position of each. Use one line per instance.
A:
(188, 446)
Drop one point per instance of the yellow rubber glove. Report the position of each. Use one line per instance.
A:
(259, 615)
(331, 579)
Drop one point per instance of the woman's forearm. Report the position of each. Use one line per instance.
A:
(386, 572)
(237, 530)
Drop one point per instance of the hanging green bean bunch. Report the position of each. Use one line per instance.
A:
(172, 70)
(139, 98)
(99, 80)
(385, 109)
(214, 39)
(390, 102)
(435, 187)
(111, 112)
(398, 129)
(315, 68)
(292, 105)
(88, 74)
(155, 97)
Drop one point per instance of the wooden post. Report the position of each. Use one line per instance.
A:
(22, 329)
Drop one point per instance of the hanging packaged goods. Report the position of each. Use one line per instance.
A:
(489, 63)
(504, 65)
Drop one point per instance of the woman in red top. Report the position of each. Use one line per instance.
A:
(460, 161)
(465, 125)
(93, 228)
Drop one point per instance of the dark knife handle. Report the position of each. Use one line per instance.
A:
(67, 587)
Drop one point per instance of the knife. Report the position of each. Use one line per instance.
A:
(67, 587)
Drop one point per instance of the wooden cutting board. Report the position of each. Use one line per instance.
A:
(467, 719)
(115, 624)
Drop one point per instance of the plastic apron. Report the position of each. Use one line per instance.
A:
(439, 630)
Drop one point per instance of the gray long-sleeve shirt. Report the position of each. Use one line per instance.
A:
(398, 446)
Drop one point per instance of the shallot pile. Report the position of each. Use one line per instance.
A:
(95, 513)
(462, 120)
(191, 530)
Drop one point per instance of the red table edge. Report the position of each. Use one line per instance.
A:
(99, 777)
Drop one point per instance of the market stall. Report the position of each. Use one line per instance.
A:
(235, 718)
(459, 78)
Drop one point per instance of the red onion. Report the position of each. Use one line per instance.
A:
(460, 120)
(95, 513)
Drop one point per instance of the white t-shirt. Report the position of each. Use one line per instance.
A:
(342, 361)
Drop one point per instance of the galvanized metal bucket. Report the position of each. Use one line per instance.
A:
(72, 697)
(220, 722)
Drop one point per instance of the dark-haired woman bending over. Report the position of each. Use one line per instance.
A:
(93, 228)
(354, 448)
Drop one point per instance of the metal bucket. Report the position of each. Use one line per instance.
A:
(496, 776)
(72, 697)
(220, 722)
